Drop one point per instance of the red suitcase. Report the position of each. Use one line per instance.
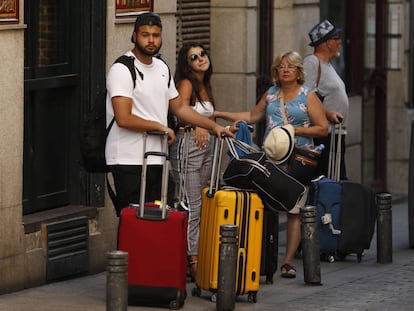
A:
(156, 242)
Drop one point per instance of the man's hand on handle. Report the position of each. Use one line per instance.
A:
(334, 117)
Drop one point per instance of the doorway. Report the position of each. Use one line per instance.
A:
(61, 77)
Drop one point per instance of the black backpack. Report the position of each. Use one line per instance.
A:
(94, 130)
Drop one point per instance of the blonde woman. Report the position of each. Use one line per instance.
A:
(304, 111)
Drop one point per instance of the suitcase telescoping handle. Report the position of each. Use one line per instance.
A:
(217, 157)
(165, 171)
(183, 168)
(334, 168)
(215, 170)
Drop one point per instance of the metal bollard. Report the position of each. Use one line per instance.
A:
(310, 246)
(227, 268)
(384, 228)
(117, 281)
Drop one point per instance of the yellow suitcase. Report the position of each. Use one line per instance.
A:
(241, 208)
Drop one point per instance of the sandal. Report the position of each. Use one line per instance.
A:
(287, 271)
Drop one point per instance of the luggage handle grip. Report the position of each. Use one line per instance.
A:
(156, 153)
(188, 128)
(159, 133)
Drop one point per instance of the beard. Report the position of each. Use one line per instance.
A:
(144, 51)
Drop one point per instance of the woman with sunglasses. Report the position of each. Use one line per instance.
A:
(304, 111)
(192, 77)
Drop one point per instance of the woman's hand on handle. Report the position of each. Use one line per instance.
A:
(220, 131)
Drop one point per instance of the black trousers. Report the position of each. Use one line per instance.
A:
(127, 181)
(324, 160)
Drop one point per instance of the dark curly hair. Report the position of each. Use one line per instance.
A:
(183, 71)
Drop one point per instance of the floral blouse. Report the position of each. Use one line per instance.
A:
(296, 113)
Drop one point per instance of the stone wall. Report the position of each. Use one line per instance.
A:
(11, 156)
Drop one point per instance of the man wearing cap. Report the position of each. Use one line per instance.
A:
(143, 108)
(321, 76)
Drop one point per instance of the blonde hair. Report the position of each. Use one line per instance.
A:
(293, 58)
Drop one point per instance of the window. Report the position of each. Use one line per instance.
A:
(193, 22)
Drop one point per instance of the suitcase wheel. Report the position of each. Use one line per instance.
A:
(252, 297)
(327, 257)
(174, 305)
(177, 303)
(269, 279)
(213, 298)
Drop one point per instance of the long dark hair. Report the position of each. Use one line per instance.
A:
(183, 71)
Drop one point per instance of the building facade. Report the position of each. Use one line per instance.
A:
(57, 220)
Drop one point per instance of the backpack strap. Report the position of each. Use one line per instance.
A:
(319, 73)
(128, 61)
(110, 126)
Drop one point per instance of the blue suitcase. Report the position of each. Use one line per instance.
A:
(345, 211)
(326, 197)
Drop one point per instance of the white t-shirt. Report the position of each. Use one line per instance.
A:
(150, 101)
(330, 85)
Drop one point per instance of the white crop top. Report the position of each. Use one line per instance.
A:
(206, 109)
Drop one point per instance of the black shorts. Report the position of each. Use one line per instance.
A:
(127, 181)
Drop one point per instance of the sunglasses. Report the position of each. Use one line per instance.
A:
(194, 57)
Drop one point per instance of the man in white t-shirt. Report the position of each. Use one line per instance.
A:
(140, 109)
(322, 76)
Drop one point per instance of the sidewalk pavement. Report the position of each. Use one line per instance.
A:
(346, 285)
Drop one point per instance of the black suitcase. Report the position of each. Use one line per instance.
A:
(357, 219)
(270, 245)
